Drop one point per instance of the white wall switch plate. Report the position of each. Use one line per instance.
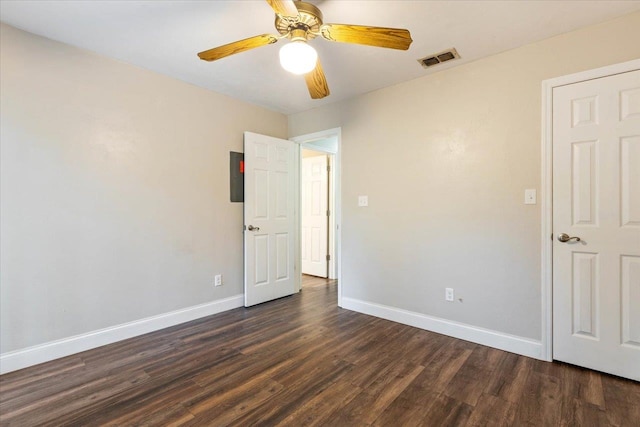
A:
(530, 197)
(363, 201)
(218, 280)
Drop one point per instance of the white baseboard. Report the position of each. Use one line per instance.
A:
(18, 359)
(511, 343)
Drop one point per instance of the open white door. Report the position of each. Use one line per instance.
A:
(269, 218)
(315, 219)
(596, 224)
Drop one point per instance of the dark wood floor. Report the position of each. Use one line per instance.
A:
(303, 361)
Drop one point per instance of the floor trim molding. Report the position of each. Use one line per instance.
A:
(23, 358)
(511, 343)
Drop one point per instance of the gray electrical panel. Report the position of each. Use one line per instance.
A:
(236, 176)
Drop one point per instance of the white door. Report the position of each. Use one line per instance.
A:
(269, 218)
(596, 198)
(315, 218)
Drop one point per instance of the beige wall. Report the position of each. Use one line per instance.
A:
(114, 191)
(445, 160)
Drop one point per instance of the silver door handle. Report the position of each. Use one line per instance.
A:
(252, 228)
(564, 238)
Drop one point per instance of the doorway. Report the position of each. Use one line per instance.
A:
(325, 146)
(315, 212)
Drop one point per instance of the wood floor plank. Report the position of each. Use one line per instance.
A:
(469, 382)
(302, 360)
(543, 399)
(228, 404)
(583, 384)
(578, 413)
(297, 395)
(447, 411)
(367, 406)
(511, 378)
(492, 411)
(158, 404)
(408, 409)
(16, 383)
(316, 410)
(443, 367)
(65, 405)
(622, 400)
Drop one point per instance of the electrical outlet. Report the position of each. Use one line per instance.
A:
(448, 294)
(218, 280)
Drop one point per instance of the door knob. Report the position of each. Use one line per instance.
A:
(564, 238)
(252, 228)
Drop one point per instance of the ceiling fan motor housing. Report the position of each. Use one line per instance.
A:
(309, 20)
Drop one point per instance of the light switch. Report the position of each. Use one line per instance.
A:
(363, 201)
(530, 197)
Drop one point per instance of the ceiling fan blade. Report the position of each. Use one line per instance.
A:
(284, 7)
(393, 38)
(317, 82)
(237, 47)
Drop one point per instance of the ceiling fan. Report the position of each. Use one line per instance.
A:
(301, 22)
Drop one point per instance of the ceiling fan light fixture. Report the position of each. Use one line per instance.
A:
(298, 57)
(300, 21)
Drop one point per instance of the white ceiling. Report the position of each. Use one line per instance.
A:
(164, 36)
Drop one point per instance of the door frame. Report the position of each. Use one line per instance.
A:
(546, 199)
(335, 264)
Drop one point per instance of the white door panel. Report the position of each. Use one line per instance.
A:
(596, 197)
(270, 183)
(315, 222)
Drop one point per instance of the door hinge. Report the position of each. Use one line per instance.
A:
(328, 257)
(328, 212)
(328, 168)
